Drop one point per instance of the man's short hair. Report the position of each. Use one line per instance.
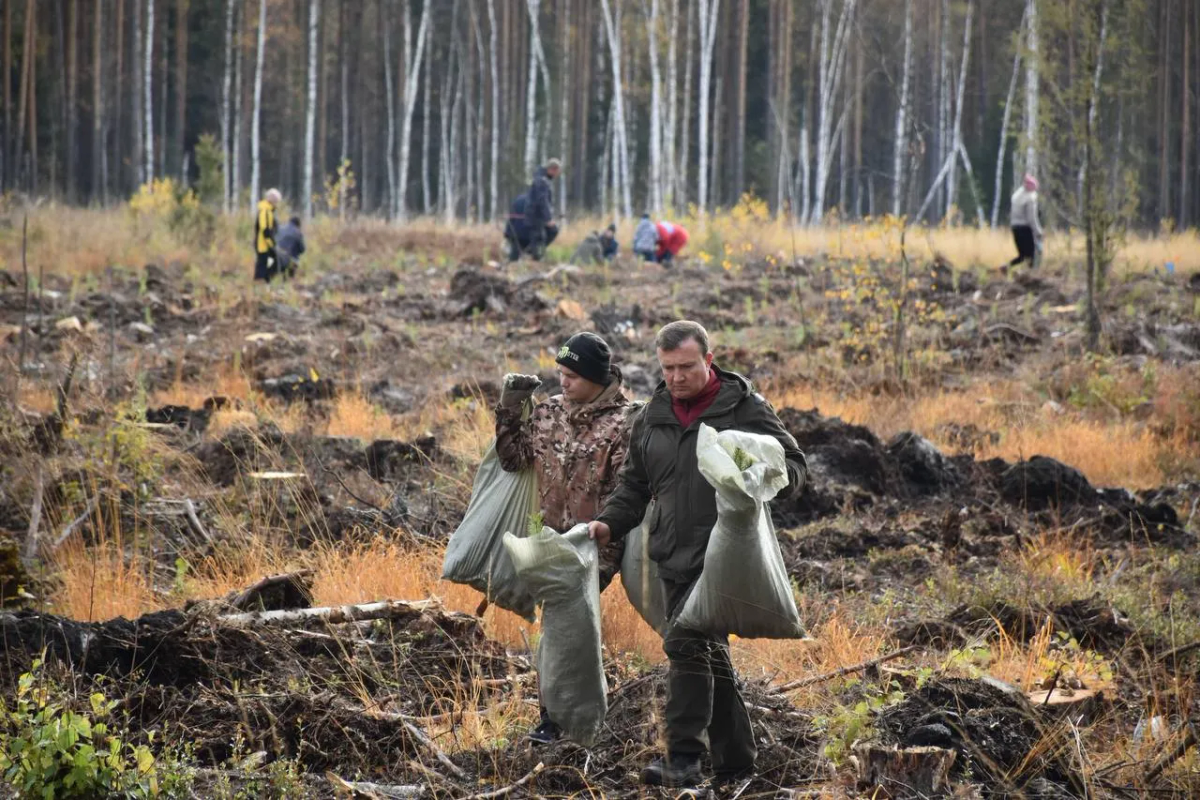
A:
(672, 335)
(554, 163)
(295, 221)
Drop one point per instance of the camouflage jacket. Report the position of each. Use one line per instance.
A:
(578, 451)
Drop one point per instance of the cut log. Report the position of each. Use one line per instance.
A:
(366, 789)
(904, 772)
(333, 615)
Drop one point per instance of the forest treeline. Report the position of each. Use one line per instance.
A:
(926, 108)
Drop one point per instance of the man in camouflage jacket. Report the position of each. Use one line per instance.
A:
(576, 441)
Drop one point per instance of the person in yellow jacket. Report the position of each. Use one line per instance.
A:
(266, 263)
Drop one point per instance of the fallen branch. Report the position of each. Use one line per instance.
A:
(837, 673)
(428, 744)
(1176, 754)
(1178, 651)
(507, 790)
(333, 615)
(35, 514)
(74, 524)
(189, 509)
(368, 789)
(246, 597)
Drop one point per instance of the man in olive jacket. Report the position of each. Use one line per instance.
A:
(702, 688)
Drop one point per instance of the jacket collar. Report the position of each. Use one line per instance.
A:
(734, 388)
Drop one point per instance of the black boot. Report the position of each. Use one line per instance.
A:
(676, 771)
(546, 732)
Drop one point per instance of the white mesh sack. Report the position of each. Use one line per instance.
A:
(743, 588)
(562, 573)
(501, 502)
(640, 579)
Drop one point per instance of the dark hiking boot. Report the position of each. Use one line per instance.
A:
(547, 732)
(729, 777)
(680, 772)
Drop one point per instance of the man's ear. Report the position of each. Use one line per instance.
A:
(708, 358)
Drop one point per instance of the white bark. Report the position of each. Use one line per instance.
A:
(495, 81)
(1012, 90)
(656, 171)
(1031, 90)
(531, 155)
(944, 145)
(256, 119)
(412, 74)
(669, 126)
(708, 10)
(621, 140)
(477, 119)
(426, 118)
(901, 138)
(226, 89)
(235, 173)
(445, 124)
(310, 122)
(389, 152)
(684, 129)
(831, 68)
(148, 80)
(956, 134)
(1096, 76)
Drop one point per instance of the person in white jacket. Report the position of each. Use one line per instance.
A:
(1026, 228)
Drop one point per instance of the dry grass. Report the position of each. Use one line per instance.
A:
(356, 416)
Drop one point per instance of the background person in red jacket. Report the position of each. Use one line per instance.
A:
(671, 238)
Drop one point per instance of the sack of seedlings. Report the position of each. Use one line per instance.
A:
(501, 502)
(562, 573)
(639, 577)
(743, 588)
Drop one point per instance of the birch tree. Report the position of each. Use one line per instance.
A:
(389, 152)
(620, 133)
(310, 122)
(656, 193)
(708, 10)
(148, 75)
(531, 127)
(956, 134)
(1031, 88)
(1012, 89)
(256, 114)
(239, 109)
(667, 156)
(495, 80)
(223, 117)
(901, 138)
(412, 72)
(831, 69)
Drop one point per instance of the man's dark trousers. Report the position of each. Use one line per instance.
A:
(703, 695)
(263, 269)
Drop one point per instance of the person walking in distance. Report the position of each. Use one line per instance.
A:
(576, 441)
(1026, 227)
(266, 263)
(704, 703)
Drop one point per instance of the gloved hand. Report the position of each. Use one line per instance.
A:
(517, 389)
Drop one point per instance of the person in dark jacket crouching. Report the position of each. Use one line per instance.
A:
(289, 246)
(702, 687)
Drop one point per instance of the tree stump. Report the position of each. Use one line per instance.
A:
(904, 772)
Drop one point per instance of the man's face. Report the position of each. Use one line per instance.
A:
(577, 388)
(552, 172)
(685, 369)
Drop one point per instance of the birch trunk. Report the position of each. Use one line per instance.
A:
(256, 114)
(148, 87)
(621, 143)
(944, 146)
(1012, 89)
(238, 106)
(685, 127)
(223, 117)
(1031, 90)
(495, 81)
(708, 10)
(901, 138)
(412, 73)
(668, 136)
(389, 152)
(426, 118)
(831, 68)
(656, 193)
(135, 94)
(1096, 76)
(531, 154)
(310, 121)
(478, 116)
(956, 134)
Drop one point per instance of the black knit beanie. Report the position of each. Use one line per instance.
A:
(588, 356)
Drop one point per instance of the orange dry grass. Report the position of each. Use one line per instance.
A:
(100, 582)
(225, 381)
(466, 426)
(353, 415)
(1110, 453)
